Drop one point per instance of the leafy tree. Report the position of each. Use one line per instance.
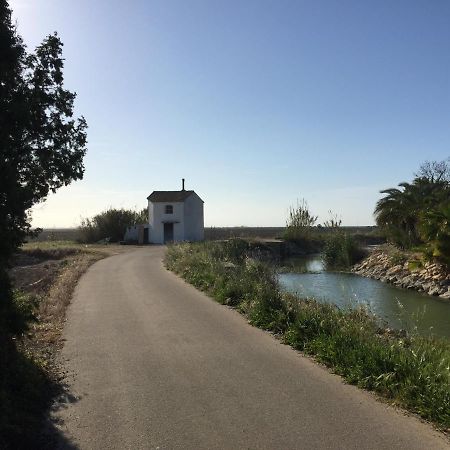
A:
(110, 224)
(411, 213)
(41, 145)
(397, 212)
(142, 216)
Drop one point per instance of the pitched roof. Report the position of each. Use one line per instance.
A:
(169, 196)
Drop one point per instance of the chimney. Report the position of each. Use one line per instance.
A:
(182, 183)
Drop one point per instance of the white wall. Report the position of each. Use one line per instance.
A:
(193, 218)
(131, 234)
(158, 216)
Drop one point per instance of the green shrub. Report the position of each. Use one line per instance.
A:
(110, 224)
(300, 223)
(398, 258)
(341, 251)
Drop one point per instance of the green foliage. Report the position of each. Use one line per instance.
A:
(24, 386)
(11, 319)
(415, 265)
(412, 371)
(110, 224)
(142, 216)
(398, 258)
(341, 251)
(434, 228)
(225, 270)
(41, 145)
(415, 213)
(41, 149)
(300, 222)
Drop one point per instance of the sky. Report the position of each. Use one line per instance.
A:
(256, 103)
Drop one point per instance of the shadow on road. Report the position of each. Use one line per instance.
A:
(29, 399)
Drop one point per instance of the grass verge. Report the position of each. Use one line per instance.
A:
(44, 275)
(410, 371)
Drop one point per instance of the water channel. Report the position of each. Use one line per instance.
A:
(399, 308)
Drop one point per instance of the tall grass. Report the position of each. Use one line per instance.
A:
(411, 371)
(341, 250)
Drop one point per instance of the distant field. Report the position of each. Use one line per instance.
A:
(56, 234)
(214, 233)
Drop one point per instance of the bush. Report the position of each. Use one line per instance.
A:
(300, 223)
(110, 224)
(225, 270)
(341, 251)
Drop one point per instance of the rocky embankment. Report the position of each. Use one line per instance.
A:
(429, 277)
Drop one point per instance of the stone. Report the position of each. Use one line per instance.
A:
(433, 291)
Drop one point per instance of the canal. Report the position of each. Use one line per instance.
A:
(399, 308)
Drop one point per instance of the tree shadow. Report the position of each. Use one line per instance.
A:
(29, 397)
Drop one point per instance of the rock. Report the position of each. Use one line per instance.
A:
(433, 291)
(432, 278)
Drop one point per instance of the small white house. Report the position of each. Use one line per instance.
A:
(175, 216)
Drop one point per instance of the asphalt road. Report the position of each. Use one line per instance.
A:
(154, 363)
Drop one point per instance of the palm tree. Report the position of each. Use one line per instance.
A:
(435, 230)
(396, 214)
(401, 210)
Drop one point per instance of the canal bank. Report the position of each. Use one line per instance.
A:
(388, 265)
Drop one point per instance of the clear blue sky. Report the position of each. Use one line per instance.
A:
(255, 103)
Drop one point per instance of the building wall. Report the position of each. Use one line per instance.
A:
(131, 234)
(136, 233)
(193, 218)
(157, 217)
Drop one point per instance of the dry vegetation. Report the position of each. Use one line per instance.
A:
(45, 275)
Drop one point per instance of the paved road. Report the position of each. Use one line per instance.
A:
(157, 364)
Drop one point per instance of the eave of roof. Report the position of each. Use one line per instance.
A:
(169, 196)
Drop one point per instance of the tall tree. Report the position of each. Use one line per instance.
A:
(41, 145)
(402, 210)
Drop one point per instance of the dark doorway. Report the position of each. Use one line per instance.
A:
(145, 235)
(168, 232)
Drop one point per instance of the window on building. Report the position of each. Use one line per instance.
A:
(169, 209)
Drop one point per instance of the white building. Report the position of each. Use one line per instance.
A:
(175, 216)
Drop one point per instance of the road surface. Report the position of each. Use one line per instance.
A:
(156, 364)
